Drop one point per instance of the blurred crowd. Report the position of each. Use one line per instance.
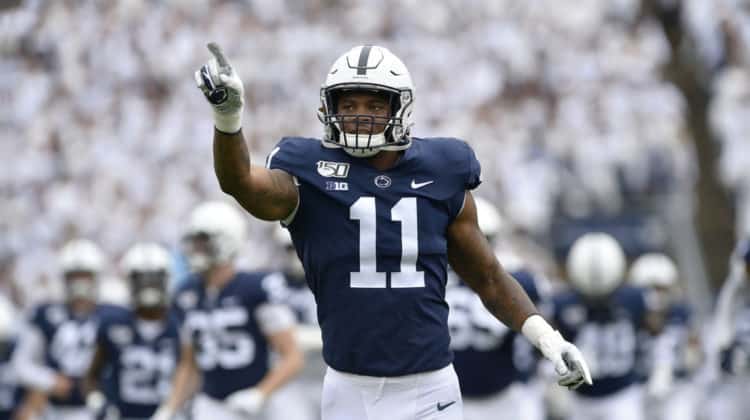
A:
(105, 135)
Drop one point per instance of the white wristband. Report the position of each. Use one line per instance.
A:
(228, 123)
(535, 327)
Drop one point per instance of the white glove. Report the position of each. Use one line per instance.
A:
(567, 359)
(246, 402)
(223, 89)
(95, 401)
(163, 413)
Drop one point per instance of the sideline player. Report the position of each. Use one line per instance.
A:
(375, 214)
(55, 348)
(139, 347)
(231, 325)
(493, 363)
(603, 316)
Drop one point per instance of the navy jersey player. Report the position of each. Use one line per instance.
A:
(55, 348)
(138, 347)
(670, 346)
(493, 362)
(731, 340)
(603, 317)
(375, 215)
(230, 323)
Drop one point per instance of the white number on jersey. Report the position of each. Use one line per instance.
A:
(405, 211)
(146, 375)
(72, 346)
(471, 325)
(610, 347)
(220, 340)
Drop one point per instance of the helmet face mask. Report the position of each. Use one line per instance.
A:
(80, 285)
(148, 289)
(201, 250)
(373, 70)
(146, 266)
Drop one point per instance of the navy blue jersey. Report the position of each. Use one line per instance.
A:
(141, 361)
(736, 357)
(489, 356)
(230, 349)
(374, 247)
(69, 343)
(675, 334)
(606, 334)
(294, 294)
(11, 393)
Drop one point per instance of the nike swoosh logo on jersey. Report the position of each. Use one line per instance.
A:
(417, 185)
(443, 407)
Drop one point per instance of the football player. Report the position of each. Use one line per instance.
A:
(231, 323)
(493, 362)
(375, 214)
(55, 348)
(139, 347)
(11, 393)
(603, 317)
(671, 348)
(731, 332)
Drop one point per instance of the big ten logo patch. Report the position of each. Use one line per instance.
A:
(337, 186)
(333, 169)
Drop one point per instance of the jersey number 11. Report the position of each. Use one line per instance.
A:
(405, 211)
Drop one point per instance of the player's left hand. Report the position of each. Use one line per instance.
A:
(247, 401)
(568, 360)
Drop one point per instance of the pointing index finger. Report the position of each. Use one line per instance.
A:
(219, 54)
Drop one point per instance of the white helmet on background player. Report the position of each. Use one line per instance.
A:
(488, 217)
(658, 274)
(214, 235)
(291, 265)
(146, 266)
(596, 264)
(81, 261)
(7, 322)
(653, 270)
(373, 69)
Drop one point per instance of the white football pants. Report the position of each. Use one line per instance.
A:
(205, 407)
(626, 404)
(68, 413)
(518, 401)
(429, 395)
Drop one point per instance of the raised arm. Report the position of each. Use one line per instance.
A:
(472, 258)
(268, 194)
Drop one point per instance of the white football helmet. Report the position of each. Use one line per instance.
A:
(292, 266)
(146, 266)
(375, 69)
(223, 229)
(596, 264)
(653, 270)
(488, 217)
(7, 319)
(81, 261)
(81, 255)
